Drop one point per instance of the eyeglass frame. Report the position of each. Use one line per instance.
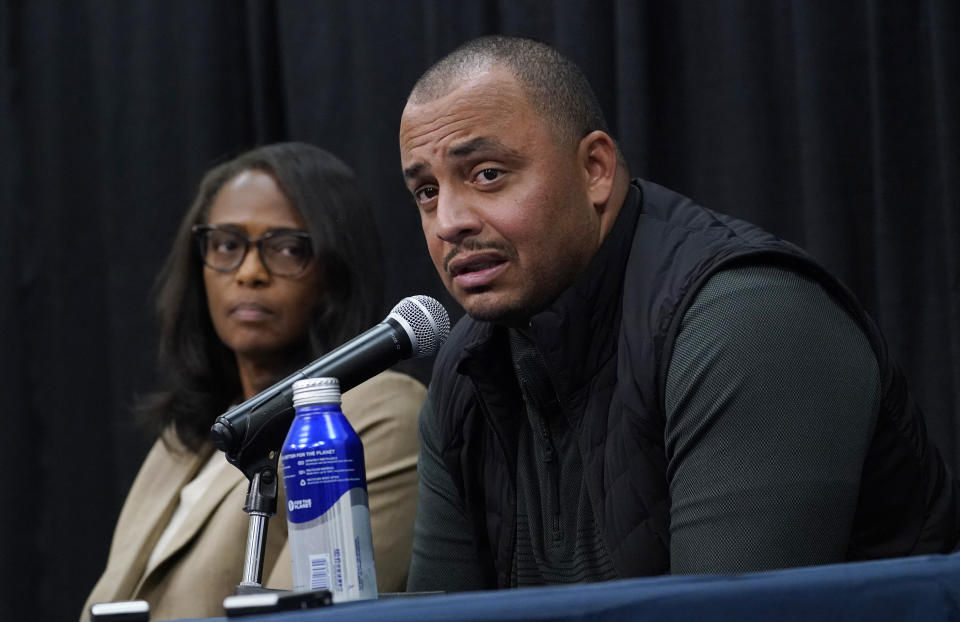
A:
(201, 230)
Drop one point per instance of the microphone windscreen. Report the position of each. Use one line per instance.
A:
(425, 321)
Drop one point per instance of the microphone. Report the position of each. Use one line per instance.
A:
(416, 327)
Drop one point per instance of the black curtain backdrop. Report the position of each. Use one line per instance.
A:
(833, 124)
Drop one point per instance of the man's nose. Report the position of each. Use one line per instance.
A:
(457, 217)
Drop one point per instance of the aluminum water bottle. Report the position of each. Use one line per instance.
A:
(331, 546)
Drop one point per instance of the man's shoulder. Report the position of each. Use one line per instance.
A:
(678, 211)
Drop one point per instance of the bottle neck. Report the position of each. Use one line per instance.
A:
(330, 408)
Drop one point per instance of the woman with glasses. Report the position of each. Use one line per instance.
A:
(276, 262)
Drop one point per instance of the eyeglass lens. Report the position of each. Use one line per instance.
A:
(283, 254)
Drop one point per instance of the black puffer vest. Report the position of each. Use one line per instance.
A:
(607, 342)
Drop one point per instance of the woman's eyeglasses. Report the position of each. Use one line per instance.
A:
(282, 252)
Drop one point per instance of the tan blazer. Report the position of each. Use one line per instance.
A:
(204, 562)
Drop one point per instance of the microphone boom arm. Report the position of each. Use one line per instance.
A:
(249, 432)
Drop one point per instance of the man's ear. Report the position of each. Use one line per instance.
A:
(598, 159)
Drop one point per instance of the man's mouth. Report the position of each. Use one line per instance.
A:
(476, 263)
(476, 270)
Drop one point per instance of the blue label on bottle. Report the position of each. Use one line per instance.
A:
(322, 460)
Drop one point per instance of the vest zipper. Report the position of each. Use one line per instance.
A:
(503, 574)
(542, 399)
(553, 476)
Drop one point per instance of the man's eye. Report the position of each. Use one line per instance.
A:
(488, 174)
(422, 195)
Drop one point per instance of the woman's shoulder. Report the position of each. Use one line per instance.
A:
(169, 450)
(388, 395)
(387, 385)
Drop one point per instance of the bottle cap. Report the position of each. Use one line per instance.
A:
(316, 391)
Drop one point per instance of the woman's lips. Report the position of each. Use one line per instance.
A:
(250, 312)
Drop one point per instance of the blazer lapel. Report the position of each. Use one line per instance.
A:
(151, 502)
(225, 480)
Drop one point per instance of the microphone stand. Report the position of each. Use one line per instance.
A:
(261, 504)
(258, 459)
(251, 433)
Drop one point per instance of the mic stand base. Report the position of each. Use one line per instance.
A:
(254, 588)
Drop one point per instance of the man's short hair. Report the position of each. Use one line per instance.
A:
(554, 85)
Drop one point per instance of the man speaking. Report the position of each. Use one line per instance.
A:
(640, 385)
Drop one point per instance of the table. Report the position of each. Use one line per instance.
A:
(914, 588)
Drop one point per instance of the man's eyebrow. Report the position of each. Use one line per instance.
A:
(414, 170)
(472, 146)
(481, 143)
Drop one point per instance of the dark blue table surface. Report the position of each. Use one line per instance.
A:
(915, 588)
